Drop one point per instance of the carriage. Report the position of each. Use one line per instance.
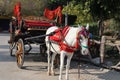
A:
(30, 30)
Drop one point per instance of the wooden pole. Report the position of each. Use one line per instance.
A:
(102, 46)
(118, 47)
(66, 16)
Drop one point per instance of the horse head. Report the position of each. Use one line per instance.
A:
(84, 39)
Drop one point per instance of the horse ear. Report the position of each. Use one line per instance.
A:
(87, 26)
(79, 26)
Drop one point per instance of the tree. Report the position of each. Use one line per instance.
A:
(104, 9)
(2, 7)
(80, 9)
(29, 7)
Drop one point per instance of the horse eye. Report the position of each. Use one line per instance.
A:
(81, 38)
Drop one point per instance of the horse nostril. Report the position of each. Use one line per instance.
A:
(84, 51)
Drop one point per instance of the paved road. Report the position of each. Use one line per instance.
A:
(37, 70)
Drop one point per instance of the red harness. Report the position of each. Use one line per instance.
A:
(59, 38)
(67, 48)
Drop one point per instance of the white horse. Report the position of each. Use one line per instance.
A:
(69, 39)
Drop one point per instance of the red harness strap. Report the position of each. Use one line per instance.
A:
(65, 30)
(68, 48)
(57, 37)
(59, 34)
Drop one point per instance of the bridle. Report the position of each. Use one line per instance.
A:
(85, 33)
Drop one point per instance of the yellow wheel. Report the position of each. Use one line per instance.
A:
(20, 55)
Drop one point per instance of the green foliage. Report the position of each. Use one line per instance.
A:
(36, 8)
(52, 4)
(104, 9)
(77, 8)
(114, 25)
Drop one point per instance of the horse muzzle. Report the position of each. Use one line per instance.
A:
(85, 52)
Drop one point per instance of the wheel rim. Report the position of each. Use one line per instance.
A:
(20, 53)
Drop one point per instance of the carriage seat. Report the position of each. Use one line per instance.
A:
(33, 22)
